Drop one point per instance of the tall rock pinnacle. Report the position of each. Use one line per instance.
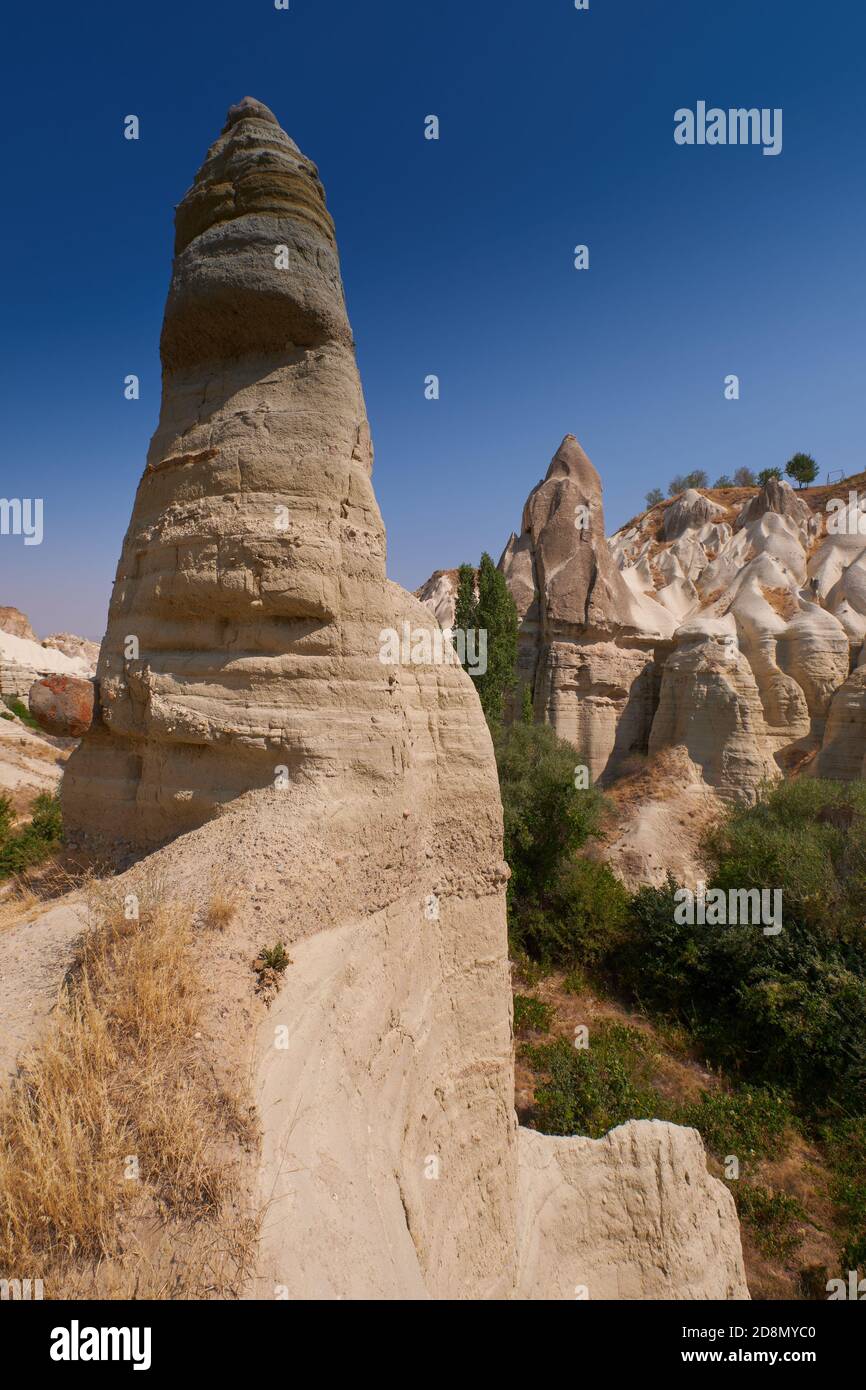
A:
(255, 525)
(245, 699)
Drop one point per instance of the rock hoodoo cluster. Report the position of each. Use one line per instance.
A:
(722, 624)
(243, 707)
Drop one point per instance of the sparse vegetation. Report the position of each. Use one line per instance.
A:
(697, 478)
(531, 1015)
(20, 710)
(750, 1121)
(115, 1129)
(590, 1090)
(221, 909)
(773, 1217)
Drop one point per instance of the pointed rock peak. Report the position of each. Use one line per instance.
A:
(570, 461)
(253, 169)
(690, 510)
(776, 495)
(248, 109)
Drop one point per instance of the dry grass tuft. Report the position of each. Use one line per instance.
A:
(115, 1138)
(221, 909)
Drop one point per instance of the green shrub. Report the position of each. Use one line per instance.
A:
(749, 1122)
(545, 817)
(562, 908)
(20, 709)
(771, 1216)
(274, 958)
(35, 840)
(531, 1014)
(591, 1090)
(788, 1009)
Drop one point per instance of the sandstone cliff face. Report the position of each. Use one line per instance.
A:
(246, 718)
(592, 1210)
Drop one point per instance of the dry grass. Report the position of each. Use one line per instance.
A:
(782, 601)
(115, 1139)
(221, 908)
(30, 891)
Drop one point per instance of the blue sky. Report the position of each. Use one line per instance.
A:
(556, 129)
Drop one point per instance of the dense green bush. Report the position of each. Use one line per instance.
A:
(561, 908)
(750, 1122)
(590, 1090)
(787, 1009)
(32, 842)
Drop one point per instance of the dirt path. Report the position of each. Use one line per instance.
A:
(34, 957)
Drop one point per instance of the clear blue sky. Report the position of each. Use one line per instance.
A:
(556, 128)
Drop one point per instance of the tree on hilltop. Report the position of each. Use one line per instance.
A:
(802, 468)
(767, 473)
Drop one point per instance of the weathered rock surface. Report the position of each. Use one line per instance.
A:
(586, 639)
(724, 623)
(13, 621)
(591, 1210)
(71, 645)
(23, 659)
(439, 594)
(243, 701)
(63, 705)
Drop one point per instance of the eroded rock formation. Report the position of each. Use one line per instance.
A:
(353, 804)
(720, 625)
(586, 640)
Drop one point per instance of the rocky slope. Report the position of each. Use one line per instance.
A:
(30, 762)
(246, 717)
